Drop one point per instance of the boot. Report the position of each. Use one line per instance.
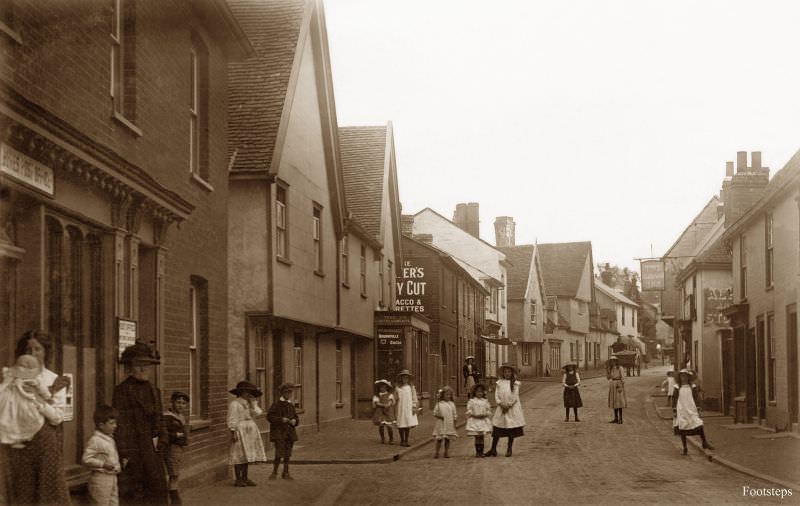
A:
(620, 415)
(380, 431)
(391, 435)
(246, 479)
(446, 448)
(438, 447)
(706, 444)
(493, 451)
(566, 417)
(174, 497)
(479, 446)
(285, 474)
(510, 446)
(575, 410)
(237, 471)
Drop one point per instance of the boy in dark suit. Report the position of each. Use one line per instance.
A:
(282, 419)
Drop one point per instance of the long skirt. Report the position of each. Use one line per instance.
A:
(507, 432)
(616, 395)
(37, 473)
(572, 398)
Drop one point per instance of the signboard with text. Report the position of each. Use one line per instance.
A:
(412, 288)
(652, 275)
(716, 301)
(390, 353)
(126, 332)
(26, 170)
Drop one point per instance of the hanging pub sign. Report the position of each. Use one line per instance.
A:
(411, 288)
(717, 300)
(652, 275)
(126, 334)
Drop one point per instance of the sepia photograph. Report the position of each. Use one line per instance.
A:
(394, 252)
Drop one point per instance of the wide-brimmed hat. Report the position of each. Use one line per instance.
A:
(569, 364)
(246, 387)
(179, 395)
(384, 382)
(405, 372)
(613, 357)
(468, 357)
(507, 365)
(686, 371)
(139, 353)
(27, 367)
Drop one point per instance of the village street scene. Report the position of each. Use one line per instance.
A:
(370, 252)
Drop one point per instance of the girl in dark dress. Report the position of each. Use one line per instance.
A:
(572, 397)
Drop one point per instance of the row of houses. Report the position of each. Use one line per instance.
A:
(186, 183)
(731, 293)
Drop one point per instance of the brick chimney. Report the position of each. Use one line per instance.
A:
(504, 231)
(467, 217)
(742, 189)
(407, 224)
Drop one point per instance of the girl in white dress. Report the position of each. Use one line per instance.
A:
(479, 417)
(684, 409)
(407, 406)
(445, 426)
(247, 446)
(508, 419)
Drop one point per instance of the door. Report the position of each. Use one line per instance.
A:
(750, 372)
(791, 361)
(277, 362)
(728, 373)
(761, 380)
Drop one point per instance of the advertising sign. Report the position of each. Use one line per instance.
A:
(390, 353)
(69, 404)
(126, 332)
(716, 301)
(411, 289)
(652, 275)
(26, 170)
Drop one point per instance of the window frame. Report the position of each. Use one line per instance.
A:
(297, 366)
(339, 374)
(769, 250)
(363, 271)
(344, 244)
(316, 237)
(533, 318)
(771, 358)
(742, 267)
(381, 275)
(122, 86)
(282, 222)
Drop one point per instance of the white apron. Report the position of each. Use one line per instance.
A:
(687, 417)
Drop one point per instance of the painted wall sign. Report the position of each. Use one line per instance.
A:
(652, 275)
(26, 170)
(411, 289)
(716, 301)
(126, 331)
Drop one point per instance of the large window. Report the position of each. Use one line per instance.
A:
(281, 219)
(123, 59)
(339, 372)
(345, 261)
(198, 300)
(533, 312)
(771, 359)
(363, 271)
(297, 362)
(742, 268)
(317, 236)
(198, 109)
(769, 261)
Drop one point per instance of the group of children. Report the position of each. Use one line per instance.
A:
(399, 408)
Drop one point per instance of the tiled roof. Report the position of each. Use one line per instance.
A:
(363, 152)
(520, 269)
(258, 85)
(717, 253)
(563, 265)
(613, 293)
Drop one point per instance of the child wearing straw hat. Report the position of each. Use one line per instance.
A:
(571, 380)
(616, 389)
(508, 420)
(383, 410)
(685, 411)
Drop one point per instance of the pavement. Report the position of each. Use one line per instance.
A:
(747, 448)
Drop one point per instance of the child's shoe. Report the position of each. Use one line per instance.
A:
(286, 476)
(239, 483)
(250, 483)
(273, 476)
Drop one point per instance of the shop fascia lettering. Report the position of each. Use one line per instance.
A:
(410, 287)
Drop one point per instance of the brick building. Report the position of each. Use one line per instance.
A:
(99, 158)
(763, 232)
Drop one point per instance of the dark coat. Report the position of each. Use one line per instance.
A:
(175, 430)
(475, 374)
(140, 419)
(278, 430)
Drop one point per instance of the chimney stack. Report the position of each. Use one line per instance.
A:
(728, 169)
(755, 160)
(407, 224)
(743, 189)
(741, 161)
(504, 231)
(467, 218)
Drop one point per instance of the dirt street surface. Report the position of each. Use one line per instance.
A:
(556, 462)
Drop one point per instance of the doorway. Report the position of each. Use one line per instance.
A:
(761, 346)
(791, 362)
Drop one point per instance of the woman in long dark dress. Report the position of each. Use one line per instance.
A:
(140, 430)
(572, 397)
(37, 474)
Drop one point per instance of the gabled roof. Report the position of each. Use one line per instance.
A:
(363, 150)
(521, 258)
(711, 206)
(614, 294)
(258, 86)
(466, 269)
(563, 266)
(451, 222)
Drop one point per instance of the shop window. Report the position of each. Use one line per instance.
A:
(123, 61)
(198, 345)
(297, 362)
(339, 373)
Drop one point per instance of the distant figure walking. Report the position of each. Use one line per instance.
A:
(470, 373)
(684, 408)
(572, 397)
(616, 389)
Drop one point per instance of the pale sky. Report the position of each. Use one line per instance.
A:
(608, 121)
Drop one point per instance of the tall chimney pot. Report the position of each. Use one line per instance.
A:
(728, 169)
(504, 231)
(741, 161)
(755, 160)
